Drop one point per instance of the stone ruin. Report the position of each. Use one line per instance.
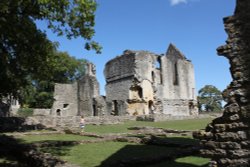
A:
(227, 139)
(80, 98)
(138, 83)
(142, 83)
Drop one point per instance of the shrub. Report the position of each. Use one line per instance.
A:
(25, 112)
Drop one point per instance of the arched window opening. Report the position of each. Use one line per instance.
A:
(115, 108)
(158, 64)
(65, 105)
(153, 76)
(136, 92)
(95, 110)
(151, 107)
(176, 75)
(160, 68)
(58, 112)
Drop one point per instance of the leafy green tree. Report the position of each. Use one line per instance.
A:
(210, 99)
(39, 93)
(25, 51)
(66, 68)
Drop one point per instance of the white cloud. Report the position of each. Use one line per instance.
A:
(176, 2)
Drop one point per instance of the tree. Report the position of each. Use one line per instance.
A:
(39, 93)
(209, 99)
(25, 51)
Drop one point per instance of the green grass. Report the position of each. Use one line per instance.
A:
(94, 154)
(192, 124)
(194, 160)
(189, 161)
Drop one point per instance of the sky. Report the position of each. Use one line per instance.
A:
(195, 27)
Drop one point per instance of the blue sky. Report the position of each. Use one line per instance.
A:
(194, 26)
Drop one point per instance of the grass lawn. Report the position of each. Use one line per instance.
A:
(189, 161)
(192, 124)
(91, 155)
(94, 154)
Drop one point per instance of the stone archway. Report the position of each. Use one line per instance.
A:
(227, 139)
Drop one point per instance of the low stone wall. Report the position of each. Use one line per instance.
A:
(41, 111)
(164, 117)
(74, 121)
(108, 119)
(56, 121)
(39, 122)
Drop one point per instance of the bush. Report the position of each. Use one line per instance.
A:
(25, 112)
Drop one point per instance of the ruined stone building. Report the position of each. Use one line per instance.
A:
(140, 82)
(80, 98)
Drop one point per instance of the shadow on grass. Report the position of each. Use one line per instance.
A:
(155, 155)
(176, 164)
(151, 155)
(13, 152)
(173, 141)
(56, 148)
(10, 151)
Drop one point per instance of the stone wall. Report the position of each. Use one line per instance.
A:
(10, 124)
(141, 82)
(79, 98)
(182, 107)
(65, 103)
(88, 89)
(55, 121)
(227, 139)
(167, 117)
(120, 67)
(41, 111)
(108, 120)
(99, 106)
(178, 75)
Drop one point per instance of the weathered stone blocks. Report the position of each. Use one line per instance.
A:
(226, 139)
(144, 83)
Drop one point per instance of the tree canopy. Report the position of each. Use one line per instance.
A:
(210, 99)
(39, 92)
(25, 51)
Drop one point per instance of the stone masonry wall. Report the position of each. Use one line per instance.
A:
(79, 98)
(143, 80)
(175, 66)
(178, 107)
(120, 67)
(65, 103)
(88, 89)
(227, 139)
